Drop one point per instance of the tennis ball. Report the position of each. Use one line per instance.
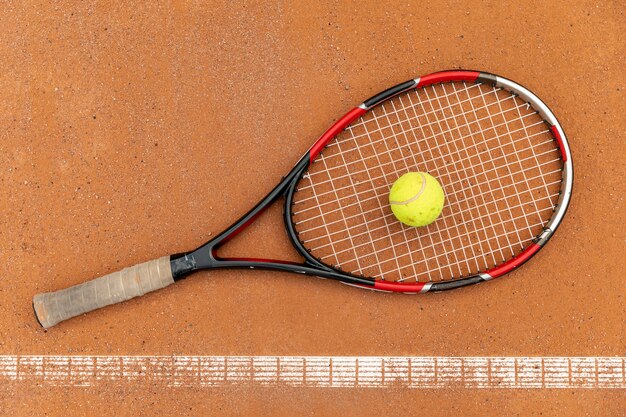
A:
(416, 199)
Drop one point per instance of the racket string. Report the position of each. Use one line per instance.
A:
(498, 180)
(451, 194)
(496, 160)
(406, 239)
(510, 174)
(461, 212)
(486, 151)
(424, 139)
(521, 244)
(340, 210)
(451, 239)
(446, 151)
(353, 245)
(534, 154)
(360, 123)
(474, 197)
(376, 196)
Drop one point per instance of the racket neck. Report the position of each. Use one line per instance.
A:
(205, 256)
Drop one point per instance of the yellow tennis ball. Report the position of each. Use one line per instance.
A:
(416, 199)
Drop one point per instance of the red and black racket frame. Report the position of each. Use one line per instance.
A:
(206, 257)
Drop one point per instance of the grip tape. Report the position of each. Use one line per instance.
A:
(54, 307)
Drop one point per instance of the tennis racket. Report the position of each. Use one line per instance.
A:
(502, 159)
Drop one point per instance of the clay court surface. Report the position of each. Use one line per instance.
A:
(131, 132)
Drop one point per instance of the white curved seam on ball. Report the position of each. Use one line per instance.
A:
(416, 196)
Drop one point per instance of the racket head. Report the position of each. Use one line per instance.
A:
(498, 151)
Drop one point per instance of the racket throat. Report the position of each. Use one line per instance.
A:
(205, 257)
(183, 264)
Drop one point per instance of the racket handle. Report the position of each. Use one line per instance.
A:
(54, 307)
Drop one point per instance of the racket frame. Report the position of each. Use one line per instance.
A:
(206, 257)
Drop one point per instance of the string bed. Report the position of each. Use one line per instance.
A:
(494, 156)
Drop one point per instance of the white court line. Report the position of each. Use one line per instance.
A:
(317, 371)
